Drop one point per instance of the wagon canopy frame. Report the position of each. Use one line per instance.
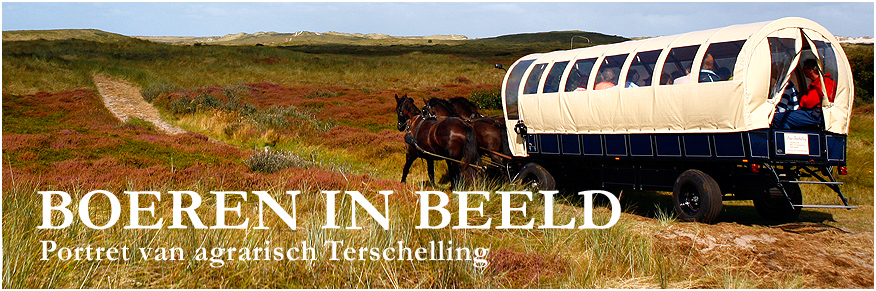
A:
(558, 92)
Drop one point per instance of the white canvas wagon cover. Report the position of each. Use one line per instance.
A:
(743, 98)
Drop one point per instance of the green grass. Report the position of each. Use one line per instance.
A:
(64, 60)
(32, 66)
(61, 34)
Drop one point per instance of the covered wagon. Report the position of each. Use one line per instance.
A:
(692, 113)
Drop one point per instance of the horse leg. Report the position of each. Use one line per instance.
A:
(430, 167)
(411, 156)
(452, 173)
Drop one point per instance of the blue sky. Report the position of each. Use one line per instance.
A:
(472, 19)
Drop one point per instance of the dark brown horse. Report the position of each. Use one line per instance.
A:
(451, 139)
(456, 107)
(437, 107)
(465, 108)
(491, 134)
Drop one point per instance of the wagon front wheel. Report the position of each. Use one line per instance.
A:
(536, 177)
(697, 197)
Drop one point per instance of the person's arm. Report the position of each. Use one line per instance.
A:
(812, 97)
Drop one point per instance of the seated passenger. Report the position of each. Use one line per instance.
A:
(665, 79)
(632, 79)
(809, 113)
(582, 83)
(790, 99)
(707, 70)
(815, 86)
(606, 78)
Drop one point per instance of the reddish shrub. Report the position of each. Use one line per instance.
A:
(462, 80)
(83, 146)
(522, 269)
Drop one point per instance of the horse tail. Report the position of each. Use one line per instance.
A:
(506, 147)
(470, 151)
(500, 124)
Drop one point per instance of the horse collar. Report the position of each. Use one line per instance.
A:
(413, 130)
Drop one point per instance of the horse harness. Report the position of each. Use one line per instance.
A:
(410, 137)
(428, 114)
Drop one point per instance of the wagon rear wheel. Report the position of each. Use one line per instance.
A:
(535, 177)
(697, 197)
(771, 204)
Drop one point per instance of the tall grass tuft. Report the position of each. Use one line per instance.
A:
(270, 161)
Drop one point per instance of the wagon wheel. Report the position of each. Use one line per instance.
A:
(771, 204)
(697, 197)
(535, 177)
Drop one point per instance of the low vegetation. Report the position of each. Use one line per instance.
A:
(487, 98)
(861, 60)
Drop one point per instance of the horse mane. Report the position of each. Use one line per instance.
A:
(466, 105)
(441, 102)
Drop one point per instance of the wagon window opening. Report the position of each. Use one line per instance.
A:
(531, 86)
(578, 76)
(607, 76)
(552, 84)
(828, 57)
(642, 69)
(782, 53)
(676, 69)
(512, 87)
(719, 61)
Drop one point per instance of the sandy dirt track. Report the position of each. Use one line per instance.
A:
(124, 100)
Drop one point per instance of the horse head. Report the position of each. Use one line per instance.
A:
(427, 109)
(406, 110)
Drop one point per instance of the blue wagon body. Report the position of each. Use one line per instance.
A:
(764, 145)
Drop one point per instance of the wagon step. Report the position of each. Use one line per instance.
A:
(827, 206)
(830, 182)
(812, 182)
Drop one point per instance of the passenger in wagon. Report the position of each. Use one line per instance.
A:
(790, 99)
(707, 70)
(665, 79)
(632, 79)
(582, 83)
(606, 78)
(809, 113)
(813, 93)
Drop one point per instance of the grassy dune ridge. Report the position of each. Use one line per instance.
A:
(149, 64)
(332, 113)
